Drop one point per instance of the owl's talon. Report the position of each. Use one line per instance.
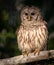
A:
(36, 51)
(25, 53)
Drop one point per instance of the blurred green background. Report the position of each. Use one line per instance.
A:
(10, 20)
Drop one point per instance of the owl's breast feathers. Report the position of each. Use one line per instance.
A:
(32, 38)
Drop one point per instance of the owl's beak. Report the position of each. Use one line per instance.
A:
(29, 18)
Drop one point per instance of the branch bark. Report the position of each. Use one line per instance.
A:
(30, 58)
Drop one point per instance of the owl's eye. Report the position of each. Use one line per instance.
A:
(26, 13)
(32, 13)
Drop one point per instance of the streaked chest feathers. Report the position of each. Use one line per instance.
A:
(32, 38)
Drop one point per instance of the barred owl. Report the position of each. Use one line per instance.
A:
(32, 34)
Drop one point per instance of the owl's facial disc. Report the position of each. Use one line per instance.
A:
(30, 14)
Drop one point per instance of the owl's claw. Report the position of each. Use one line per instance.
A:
(36, 51)
(25, 53)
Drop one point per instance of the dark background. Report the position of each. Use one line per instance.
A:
(10, 20)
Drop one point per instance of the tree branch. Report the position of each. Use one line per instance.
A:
(30, 58)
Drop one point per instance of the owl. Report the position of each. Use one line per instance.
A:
(33, 33)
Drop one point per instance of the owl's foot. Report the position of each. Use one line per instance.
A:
(36, 51)
(25, 53)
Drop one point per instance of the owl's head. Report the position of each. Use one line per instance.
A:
(30, 14)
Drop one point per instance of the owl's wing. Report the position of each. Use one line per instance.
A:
(45, 33)
(45, 23)
(17, 30)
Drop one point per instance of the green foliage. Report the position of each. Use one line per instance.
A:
(5, 15)
(9, 43)
(51, 44)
